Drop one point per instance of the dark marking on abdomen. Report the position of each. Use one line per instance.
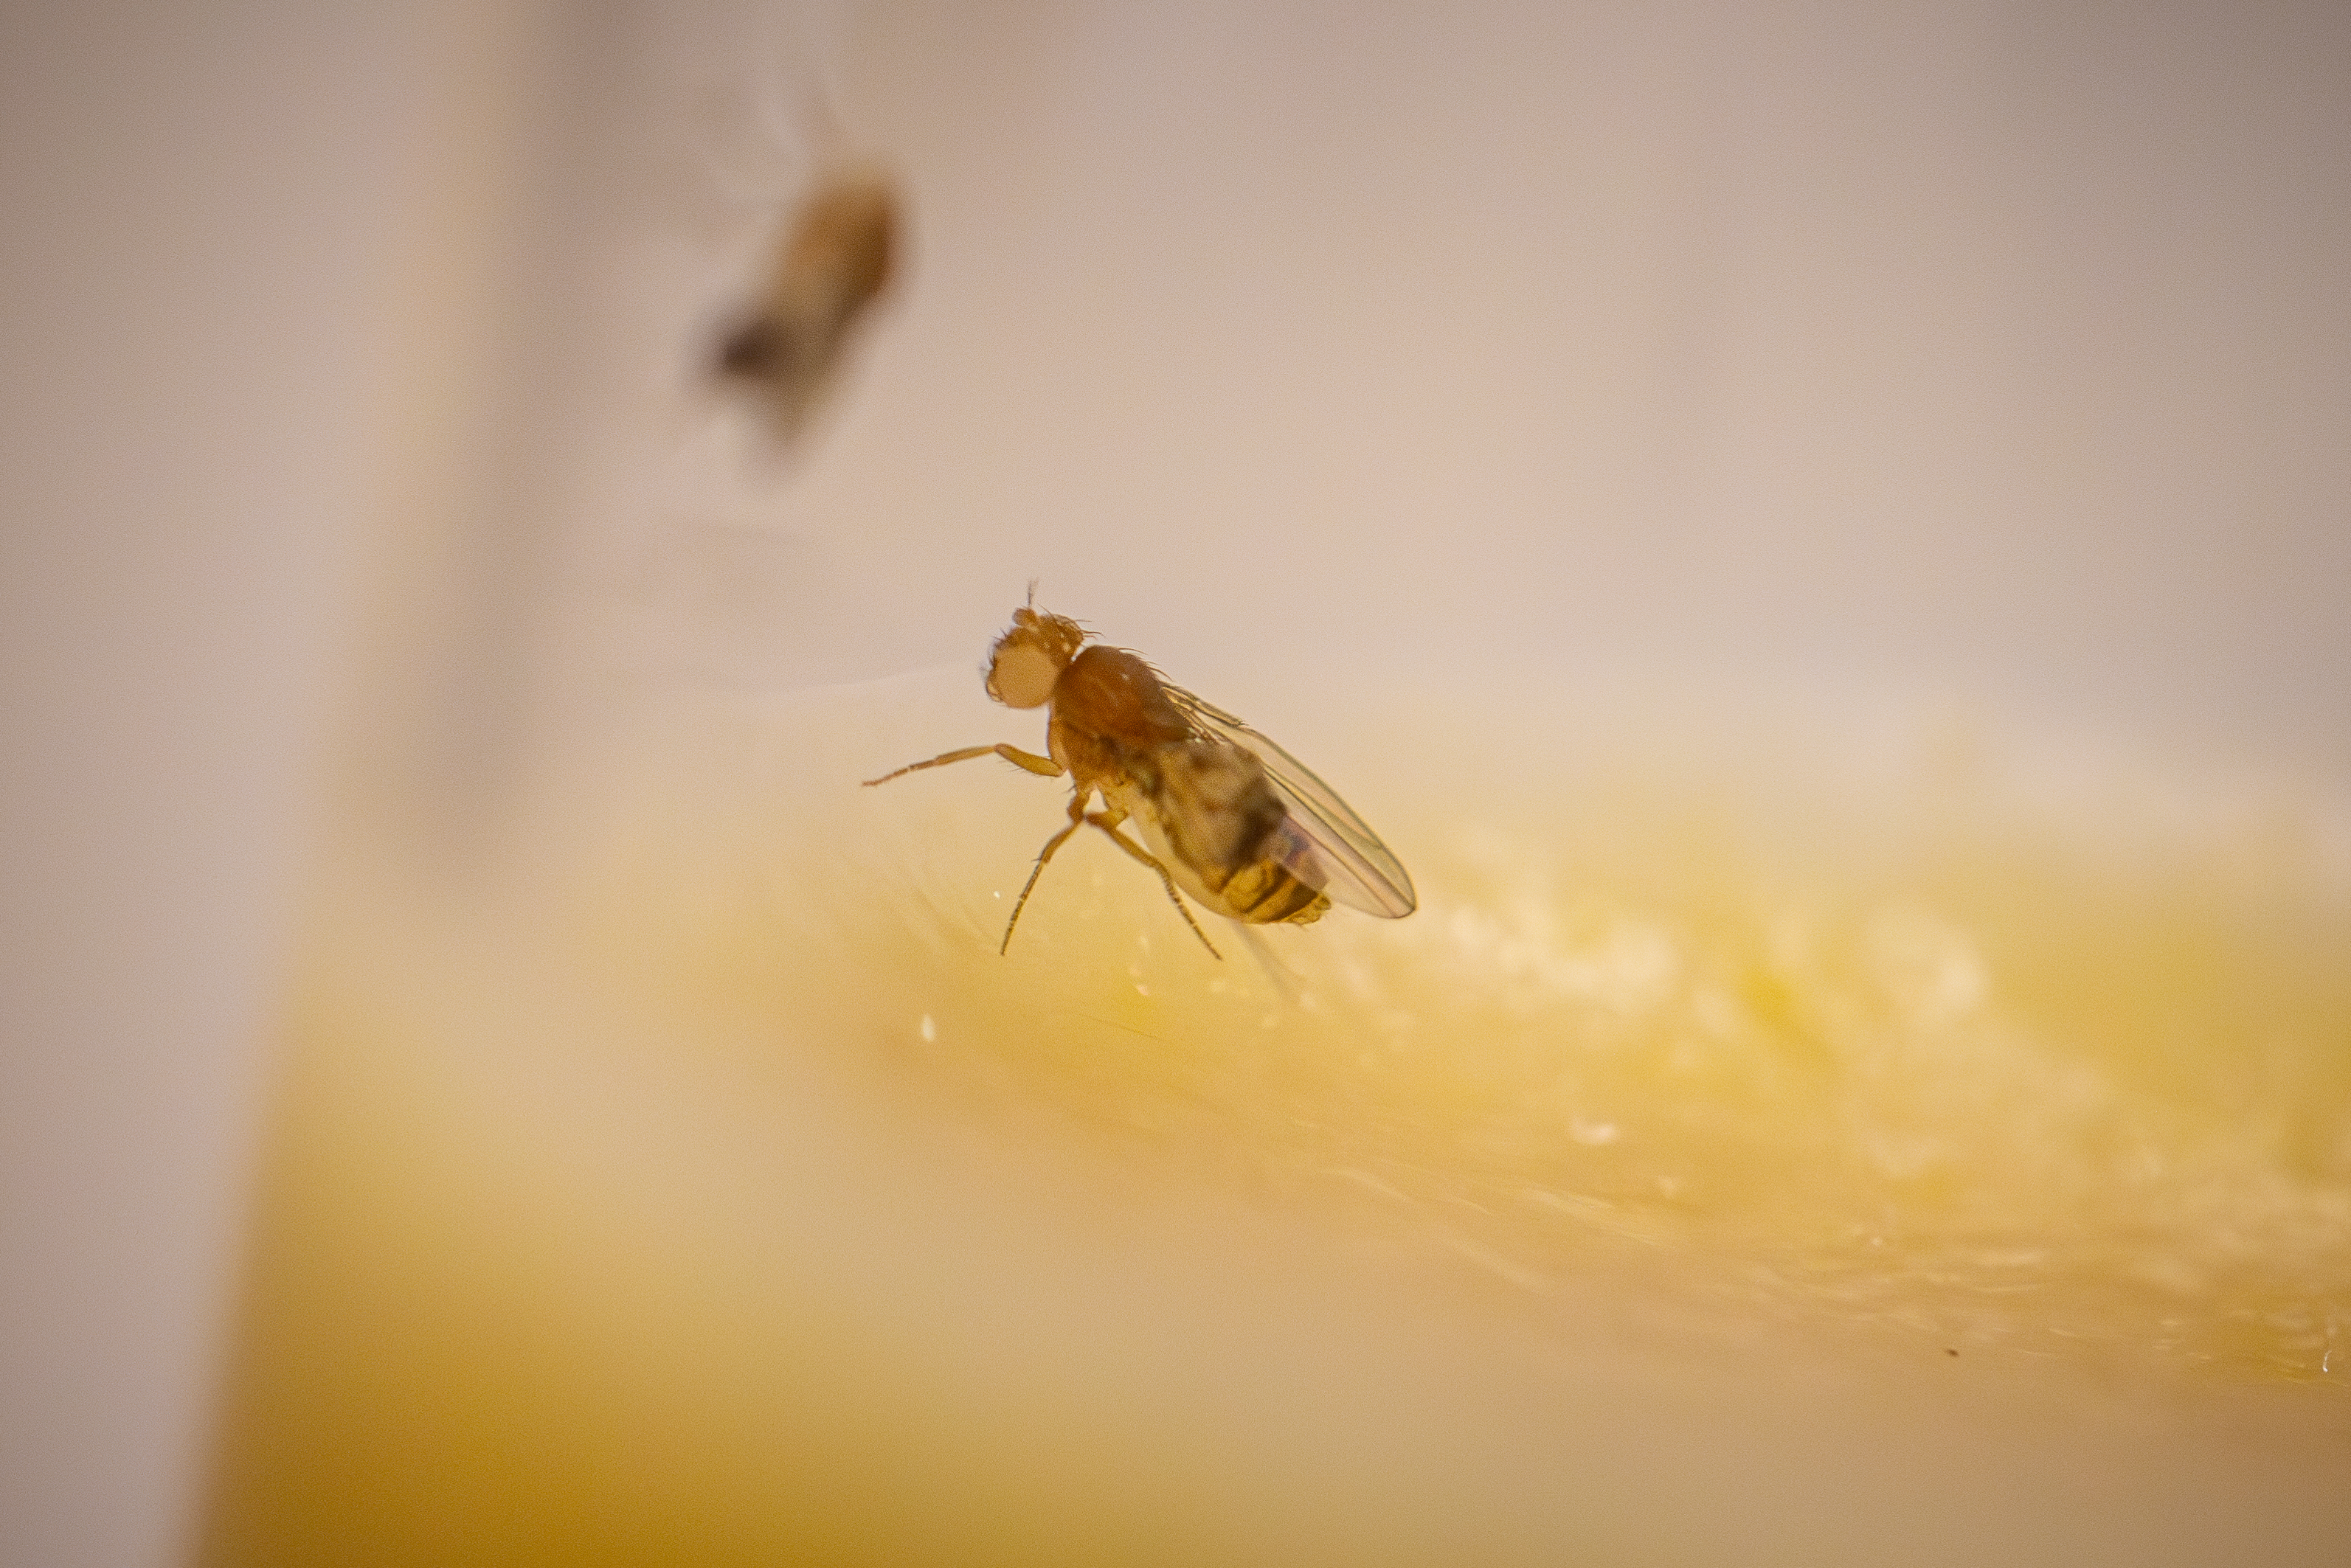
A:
(1268, 891)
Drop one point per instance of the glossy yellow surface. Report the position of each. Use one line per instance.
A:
(1716, 1168)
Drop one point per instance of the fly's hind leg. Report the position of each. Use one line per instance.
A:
(1077, 820)
(1108, 822)
(1012, 754)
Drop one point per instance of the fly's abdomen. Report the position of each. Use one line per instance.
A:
(1268, 891)
(1222, 824)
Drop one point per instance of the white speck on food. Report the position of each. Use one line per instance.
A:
(930, 1030)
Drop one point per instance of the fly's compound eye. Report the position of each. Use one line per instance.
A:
(1022, 674)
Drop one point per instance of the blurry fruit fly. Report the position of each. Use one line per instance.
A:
(1228, 816)
(835, 262)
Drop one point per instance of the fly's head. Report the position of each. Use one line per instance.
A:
(1027, 662)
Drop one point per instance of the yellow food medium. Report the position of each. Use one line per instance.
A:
(719, 1191)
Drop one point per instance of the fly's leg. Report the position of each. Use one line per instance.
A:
(1108, 822)
(1012, 754)
(1077, 820)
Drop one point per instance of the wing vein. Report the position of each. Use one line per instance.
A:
(1328, 840)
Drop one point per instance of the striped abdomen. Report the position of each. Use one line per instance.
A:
(1269, 890)
(1214, 821)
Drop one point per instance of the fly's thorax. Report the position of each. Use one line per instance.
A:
(852, 224)
(1092, 762)
(842, 248)
(837, 261)
(1109, 693)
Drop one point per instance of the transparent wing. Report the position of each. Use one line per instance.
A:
(1325, 844)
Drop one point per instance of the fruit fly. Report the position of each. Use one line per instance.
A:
(837, 260)
(1225, 815)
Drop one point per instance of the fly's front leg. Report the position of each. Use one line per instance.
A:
(1077, 820)
(1108, 822)
(1012, 754)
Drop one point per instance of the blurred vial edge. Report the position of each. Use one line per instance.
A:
(265, 265)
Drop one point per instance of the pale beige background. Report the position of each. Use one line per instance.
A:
(1983, 358)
